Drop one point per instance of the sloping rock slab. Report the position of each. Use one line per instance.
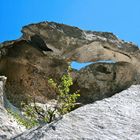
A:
(115, 118)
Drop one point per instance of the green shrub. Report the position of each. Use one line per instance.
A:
(35, 115)
(66, 101)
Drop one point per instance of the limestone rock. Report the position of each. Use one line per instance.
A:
(2, 87)
(115, 118)
(44, 51)
(101, 80)
(8, 126)
(28, 71)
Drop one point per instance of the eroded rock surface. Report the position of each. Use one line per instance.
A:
(44, 51)
(28, 71)
(115, 118)
(101, 80)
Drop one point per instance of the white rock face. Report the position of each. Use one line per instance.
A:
(8, 126)
(115, 118)
(2, 84)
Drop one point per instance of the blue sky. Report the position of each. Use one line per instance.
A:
(122, 17)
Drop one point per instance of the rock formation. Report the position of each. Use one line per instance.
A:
(44, 51)
(115, 118)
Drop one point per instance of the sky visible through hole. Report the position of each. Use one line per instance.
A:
(78, 65)
(120, 16)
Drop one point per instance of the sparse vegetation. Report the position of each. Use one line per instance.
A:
(34, 114)
(28, 123)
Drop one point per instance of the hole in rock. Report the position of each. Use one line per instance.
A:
(39, 43)
(77, 65)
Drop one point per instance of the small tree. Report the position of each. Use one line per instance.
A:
(66, 100)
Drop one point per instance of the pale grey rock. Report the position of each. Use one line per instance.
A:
(115, 118)
(2, 84)
(8, 125)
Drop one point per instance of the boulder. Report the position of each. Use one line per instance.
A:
(115, 118)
